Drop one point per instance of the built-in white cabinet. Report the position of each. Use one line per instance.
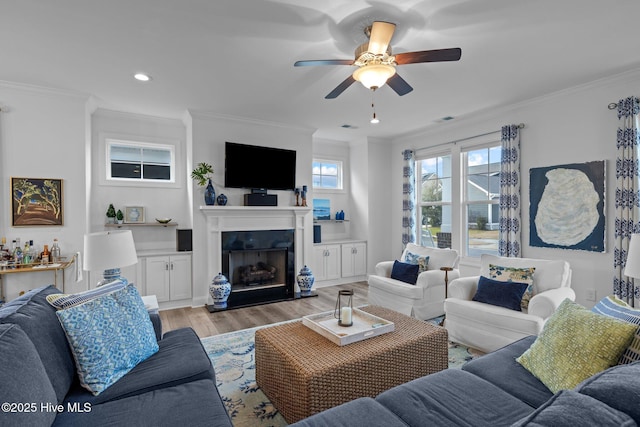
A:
(354, 259)
(168, 277)
(326, 262)
(339, 262)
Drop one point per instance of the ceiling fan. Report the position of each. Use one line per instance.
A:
(377, 66)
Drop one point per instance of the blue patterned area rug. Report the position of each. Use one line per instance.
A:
(248, 406)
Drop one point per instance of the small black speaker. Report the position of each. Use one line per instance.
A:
(317, 233)
(258, 199)
(183, 240)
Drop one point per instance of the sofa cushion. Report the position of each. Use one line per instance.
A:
(453, 398)
(569, 409)
(437, 257)
(575, 344)
(502, 294)
(618, 387)
(363, 411)
(404, 272)
(616, 308)
(550, 274)
(38, 320)
(60, 301)
(109, 336)
(512, 274)
(180, 359)
(24, 381)
(501, 369)
(421, 261)
(196, 403)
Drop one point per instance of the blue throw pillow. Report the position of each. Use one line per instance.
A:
(404, 272)
(109, 336)
(502, 294)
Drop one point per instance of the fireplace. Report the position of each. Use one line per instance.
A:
(260, 265)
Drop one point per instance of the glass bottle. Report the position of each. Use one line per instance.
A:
(17, 254)
(44, 256)
(55, 251)
(26, 254)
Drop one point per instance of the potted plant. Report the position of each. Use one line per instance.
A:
(119, 216)
(111, 214)
(202, 175)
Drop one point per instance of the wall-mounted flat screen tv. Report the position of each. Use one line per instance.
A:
(256, 167)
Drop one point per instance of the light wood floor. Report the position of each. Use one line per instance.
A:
(206, 324)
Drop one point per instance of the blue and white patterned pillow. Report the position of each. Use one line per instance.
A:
(109, 336)
(519, 275)
(421, 261)
(61, 301)
(616, 308)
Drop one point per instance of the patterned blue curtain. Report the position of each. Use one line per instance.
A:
(510, 211)
(408, 198)
(627, 197)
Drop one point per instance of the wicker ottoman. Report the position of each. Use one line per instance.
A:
(303, 373)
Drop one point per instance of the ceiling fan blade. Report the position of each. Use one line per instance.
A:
(399, 85)
(381, 33)
(323, 62)
(436, 55)
(340, 88)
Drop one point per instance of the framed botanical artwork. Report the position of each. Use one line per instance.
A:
(133, 214)
(567, 206)
(36, 201)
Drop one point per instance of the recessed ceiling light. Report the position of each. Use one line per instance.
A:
(142, 77)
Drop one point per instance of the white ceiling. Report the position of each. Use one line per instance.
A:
(235, 57)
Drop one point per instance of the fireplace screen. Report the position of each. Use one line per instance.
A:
(257, 267)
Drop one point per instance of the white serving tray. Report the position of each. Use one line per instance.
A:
(364, 326)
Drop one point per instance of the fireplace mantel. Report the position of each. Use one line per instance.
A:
(243, 218)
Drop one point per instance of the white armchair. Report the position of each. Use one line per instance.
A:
(425, 299)
(489, 327)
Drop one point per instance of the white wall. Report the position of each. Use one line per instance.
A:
(43, 135)
(571, 126)
(209, 135)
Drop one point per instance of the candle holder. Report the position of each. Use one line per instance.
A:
(344, 308)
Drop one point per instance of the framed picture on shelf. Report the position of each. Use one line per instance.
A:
(36, 201)
(133, 214)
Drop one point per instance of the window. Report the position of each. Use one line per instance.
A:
(139, 161)
(458, 198)
(327, 174)
(481, 173)
(434, 201)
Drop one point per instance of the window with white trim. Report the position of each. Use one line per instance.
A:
(434, 200)
(139, 161)
(327, 174)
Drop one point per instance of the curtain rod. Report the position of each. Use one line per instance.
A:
(520, 126)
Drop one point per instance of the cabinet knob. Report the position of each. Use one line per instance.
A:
(166, 266)
(172, 266)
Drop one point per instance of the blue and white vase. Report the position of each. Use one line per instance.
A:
(220, 289)
(209, 194)
(305, 281)
(222, 200)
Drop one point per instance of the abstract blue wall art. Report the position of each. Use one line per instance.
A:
(321, 209)
(566, 208)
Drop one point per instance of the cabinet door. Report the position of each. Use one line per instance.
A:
(332, 262)
(319, 270)
(180, 274)
(157, 277)
(359, 259)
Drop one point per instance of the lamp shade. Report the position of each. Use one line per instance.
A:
(109, 249)
(374, 75)
(632, 267)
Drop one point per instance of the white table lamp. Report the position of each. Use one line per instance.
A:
(109, 251)
(632, 266)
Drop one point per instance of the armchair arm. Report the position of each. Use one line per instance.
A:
(384, 268)
(546, 303)
(435, 277)
(463, 288)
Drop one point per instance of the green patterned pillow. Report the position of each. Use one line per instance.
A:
(109, 336)
(575, 344)
(512, 274)
(421, 261)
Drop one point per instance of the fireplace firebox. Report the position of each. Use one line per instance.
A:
(260, 266)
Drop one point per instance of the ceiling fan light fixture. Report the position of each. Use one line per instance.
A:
(374, 76)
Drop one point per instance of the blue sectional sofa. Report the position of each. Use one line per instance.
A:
(175, 386)
(495, 390)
